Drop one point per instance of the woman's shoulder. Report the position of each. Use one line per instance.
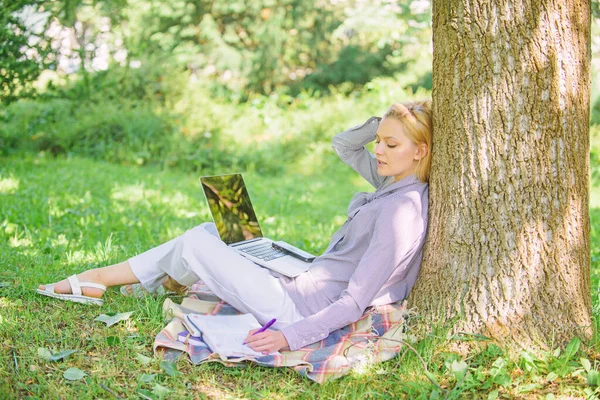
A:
(415, 197)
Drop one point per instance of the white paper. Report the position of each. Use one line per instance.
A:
(225, 334)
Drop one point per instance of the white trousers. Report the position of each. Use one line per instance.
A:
(200, 254)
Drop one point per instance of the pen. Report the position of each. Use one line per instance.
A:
(264, 328)
(267, 326)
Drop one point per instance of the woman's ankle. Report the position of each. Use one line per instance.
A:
(93, 276)
(114, 275)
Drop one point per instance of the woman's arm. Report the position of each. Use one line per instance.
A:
(350, 147)
(393, 246)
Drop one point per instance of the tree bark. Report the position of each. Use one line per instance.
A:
(508, 248)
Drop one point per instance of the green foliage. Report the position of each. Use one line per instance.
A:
(155, 82)
(23, 53)
(494, 373)
(353, 68)
(115, 132)
(261, 47)
(185, 129)
(251, 45)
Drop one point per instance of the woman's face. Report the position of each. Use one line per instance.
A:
(397, 155)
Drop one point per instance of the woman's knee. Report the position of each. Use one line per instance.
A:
(204, 228)
(199, 236)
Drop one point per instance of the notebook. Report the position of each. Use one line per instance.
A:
(224, 334)
(236, 221)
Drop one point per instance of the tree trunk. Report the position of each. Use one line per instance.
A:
(508, 244)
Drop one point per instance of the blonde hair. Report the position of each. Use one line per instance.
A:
(415, 118)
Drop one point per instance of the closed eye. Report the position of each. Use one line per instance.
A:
(391, 147)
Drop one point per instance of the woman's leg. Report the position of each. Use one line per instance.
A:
(200, 254)
(113, 275)
(139, 269)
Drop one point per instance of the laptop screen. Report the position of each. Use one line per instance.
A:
(231, 208)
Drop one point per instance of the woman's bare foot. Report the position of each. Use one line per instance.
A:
(64, 287)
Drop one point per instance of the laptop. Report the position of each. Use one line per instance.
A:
(236, 222)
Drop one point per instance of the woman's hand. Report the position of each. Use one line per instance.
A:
(266, 342)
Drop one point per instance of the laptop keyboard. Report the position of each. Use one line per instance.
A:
(262, 250)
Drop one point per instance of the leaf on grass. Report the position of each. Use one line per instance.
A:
(61, 355)
(145, 378)
(110, 320)
(169, 368)
(493, 395)
(528, 361)
(556, 352)
(502, 379)
(459, 369)
(146, 394)
(74, 374)
(528, 388)
(160, 391)
(47, 355)
(585, 363)
(499, 363)
(551, 376)
(143, 359)
(44, 353)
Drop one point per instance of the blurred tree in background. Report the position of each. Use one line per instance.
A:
(198, 83)
(24, 54)
(203, 84)
(238, 47)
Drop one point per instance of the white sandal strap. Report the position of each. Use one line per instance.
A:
(92, 285)
(76, 285)
(74, 282)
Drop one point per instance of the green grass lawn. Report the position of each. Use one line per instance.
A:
(59, 217)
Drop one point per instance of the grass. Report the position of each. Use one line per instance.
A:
(60, 216)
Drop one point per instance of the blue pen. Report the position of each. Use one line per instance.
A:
(264, 328)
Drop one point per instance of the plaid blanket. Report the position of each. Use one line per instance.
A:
(374, 338)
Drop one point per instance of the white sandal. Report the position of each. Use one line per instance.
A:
(76, 294)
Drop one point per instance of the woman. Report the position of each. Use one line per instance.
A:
(373, 259)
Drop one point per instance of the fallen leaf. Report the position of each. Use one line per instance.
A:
(47, 355)
(459, 369)
(145, 394)
(160, 391)
(44, 353)
(169, 368)
(110, 320)
(61, 355)
(143, 359)
(146, 377)
(74, 374)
